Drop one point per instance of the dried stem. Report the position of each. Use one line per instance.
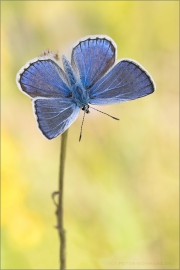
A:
(62, 236)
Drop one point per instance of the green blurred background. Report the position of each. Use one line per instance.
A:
(121, 181)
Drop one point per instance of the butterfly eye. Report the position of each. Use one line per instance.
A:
(70, 95)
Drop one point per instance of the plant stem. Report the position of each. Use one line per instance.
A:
(62, 237)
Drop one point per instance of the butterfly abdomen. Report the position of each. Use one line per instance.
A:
(69, 72)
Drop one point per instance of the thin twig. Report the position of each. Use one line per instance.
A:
(62, 236)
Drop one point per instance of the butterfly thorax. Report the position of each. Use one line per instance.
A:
(79, 94)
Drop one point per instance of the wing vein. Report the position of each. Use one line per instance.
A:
(46, 81)
(102, 59)
(58, 113)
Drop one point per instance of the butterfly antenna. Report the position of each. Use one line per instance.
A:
(80, 136)
(104, 113)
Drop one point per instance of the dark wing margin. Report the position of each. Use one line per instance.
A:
(42, 77)
(127, 80)
(92, 58)
(54, 115)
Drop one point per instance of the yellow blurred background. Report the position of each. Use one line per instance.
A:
(121, 181)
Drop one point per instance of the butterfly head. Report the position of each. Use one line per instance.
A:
(86, 108)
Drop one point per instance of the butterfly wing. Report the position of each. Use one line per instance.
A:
(44, 81)
(55, 115)
(127, 80)
(42, 77)
(91, 58)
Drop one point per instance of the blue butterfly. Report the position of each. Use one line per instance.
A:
(90, 78)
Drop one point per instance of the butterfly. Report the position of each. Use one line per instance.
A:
(92, 77)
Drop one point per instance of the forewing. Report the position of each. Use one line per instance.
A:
(92, 58)
(127, 80)
(42, 77)
(55, 115)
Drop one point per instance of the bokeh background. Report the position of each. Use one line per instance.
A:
(121, 181)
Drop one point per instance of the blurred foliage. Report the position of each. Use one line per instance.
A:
(121, 181)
